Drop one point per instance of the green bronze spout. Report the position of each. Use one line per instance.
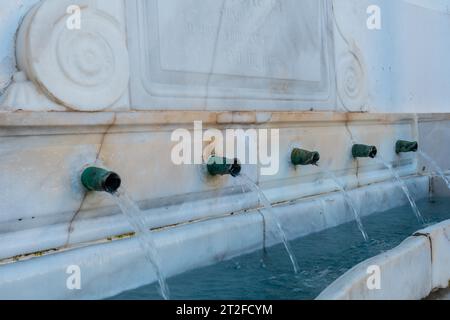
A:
(98, 179)
(222, 166)
(300, 157)
(406, 146)
(364, 151)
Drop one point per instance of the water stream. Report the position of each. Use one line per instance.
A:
(245, 180)
(404, 187)
(436, 167)
(349, 201)
(143, 235)
(323, 257)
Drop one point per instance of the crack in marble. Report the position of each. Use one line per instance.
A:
(430, 241)
(97, 158)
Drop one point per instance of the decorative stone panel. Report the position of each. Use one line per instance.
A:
(231, 55)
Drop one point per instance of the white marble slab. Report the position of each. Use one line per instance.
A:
(406, 275)
(231, 54)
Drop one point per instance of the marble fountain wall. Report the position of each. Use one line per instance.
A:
(114, 91)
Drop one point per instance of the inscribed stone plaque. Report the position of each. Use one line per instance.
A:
(231, 54)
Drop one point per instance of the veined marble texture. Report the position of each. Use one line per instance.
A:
(43, 153)
(112, 92)
(230, 55)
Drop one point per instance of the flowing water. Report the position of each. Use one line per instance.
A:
(323, 257)
(349, 201)
(144, 236)
(245, 180)
(405, 189)
(436, 167)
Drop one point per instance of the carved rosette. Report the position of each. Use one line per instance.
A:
(351, 81)
(85, 69)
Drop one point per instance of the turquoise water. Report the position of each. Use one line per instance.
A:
(322, 258)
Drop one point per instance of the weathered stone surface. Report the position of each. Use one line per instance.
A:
(439, 237)
(234, 54)
(405, 271)
(83, 69)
